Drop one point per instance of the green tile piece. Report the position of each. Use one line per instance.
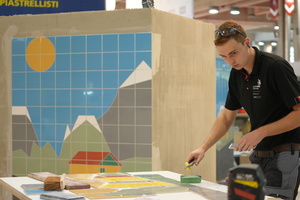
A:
(190, 179)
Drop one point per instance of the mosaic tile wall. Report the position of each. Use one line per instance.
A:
(88, 93)
(222, 75)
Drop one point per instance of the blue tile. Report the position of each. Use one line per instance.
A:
(144, 56)
(60, 131)
(94, 43)
(110, 42)
(94, 79)
(18, 63)
(123, 75)
(94, 97)
(143, 41)
(28, 68)
(18, 97)
(109, 96)
(78, 80)
(110, 79)
(33, 98)
(42, 143)
(78, 98)
(63, 62)
(78, 44)
(94, 61)
(48, 115)
(18, 46)
(28, 40)
(63, 116)
(63, 44)
(63, 97)
(52, 39)
(33, 80)
(47, 97)
(76, 111)
(35, 115)
(47, 132)
(110, 61)
(96, 111)
(48, 79)
(222, 74)
(126, 60)
(63, 80)
(78, 62)
(58, 145)
(126, 42)
(18, 81)
(52, 68)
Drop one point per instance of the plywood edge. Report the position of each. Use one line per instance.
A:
(76, 23)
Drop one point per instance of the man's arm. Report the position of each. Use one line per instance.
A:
(218, 130)
(287, 123)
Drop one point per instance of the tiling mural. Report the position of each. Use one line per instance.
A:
(222, 75)
(80, 101)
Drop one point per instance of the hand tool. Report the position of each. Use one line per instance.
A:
(188, 165)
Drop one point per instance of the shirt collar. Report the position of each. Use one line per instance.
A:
(256, 64)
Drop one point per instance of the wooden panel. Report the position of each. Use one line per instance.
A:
(183, 92)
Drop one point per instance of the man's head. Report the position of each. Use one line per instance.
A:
(229, 30)
(233, 46)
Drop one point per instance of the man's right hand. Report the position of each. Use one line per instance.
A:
(197, 155)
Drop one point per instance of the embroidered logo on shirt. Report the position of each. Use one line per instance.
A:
(256, 90)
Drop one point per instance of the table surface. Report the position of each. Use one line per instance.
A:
(207, 189)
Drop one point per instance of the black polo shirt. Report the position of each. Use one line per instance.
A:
(267, 94)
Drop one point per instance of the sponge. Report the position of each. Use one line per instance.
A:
(190, 179)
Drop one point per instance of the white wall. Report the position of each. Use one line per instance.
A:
(180, 7)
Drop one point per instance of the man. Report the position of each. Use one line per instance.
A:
(267, 88)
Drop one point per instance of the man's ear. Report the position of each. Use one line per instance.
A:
(247, 41)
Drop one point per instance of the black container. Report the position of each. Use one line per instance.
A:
(246, 182)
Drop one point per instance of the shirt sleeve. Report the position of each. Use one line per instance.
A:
(285, 82)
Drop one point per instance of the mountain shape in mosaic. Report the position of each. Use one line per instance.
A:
(21, 110)
(89, 118)
(80, 120)
(142, 73)
(86, 137)
(34, 162)
(67, 132)
(21, 120)
(110, 120)
(114, 133)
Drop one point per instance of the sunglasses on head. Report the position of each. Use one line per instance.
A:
(227, 32)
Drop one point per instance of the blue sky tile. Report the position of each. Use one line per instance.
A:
(143, 42)
(110, 42)
(94, 43)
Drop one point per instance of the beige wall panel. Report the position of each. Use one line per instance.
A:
(183, 77)
(5, 112)
(97, 22)
(183, 92)
(5, 107)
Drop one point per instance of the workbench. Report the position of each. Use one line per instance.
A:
(202, 191)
